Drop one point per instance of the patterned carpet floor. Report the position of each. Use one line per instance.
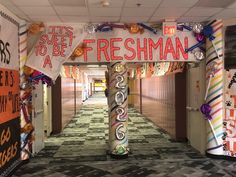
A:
(81, 150)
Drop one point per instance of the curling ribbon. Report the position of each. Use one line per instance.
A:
(148, 28)
(206, 110)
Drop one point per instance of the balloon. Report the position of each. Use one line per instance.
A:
(199, 55)
(28, 71)
(206, 110)
(79, 51)
(208, 32)
(197, 28)
(134, 29)
(90, 28)
(35, 28)
(200, 37)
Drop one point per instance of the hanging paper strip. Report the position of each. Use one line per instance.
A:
(214, 98)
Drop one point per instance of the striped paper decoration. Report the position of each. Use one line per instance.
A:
(215, 93)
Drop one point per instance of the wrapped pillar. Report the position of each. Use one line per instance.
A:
(118, 109)
(214, 97)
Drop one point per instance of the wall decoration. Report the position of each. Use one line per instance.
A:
(229, 124)
(55, 45)
(214, 96)
(118, 107)
(9, 94)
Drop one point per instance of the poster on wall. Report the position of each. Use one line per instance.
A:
(229, 135)
(9, 96)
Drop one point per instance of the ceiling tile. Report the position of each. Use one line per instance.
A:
(133, 19)
(74, 19)
(6, 3)
(233, 5)
(214, 3)
(201, 11)
(31, 2)
(192, 19)
(178, 3)
(170, 12)
(98, 3)
(66, 10)
(226, 13)
(133, 12)
(156, 19)
(68, 3)
(45, 18)
(146, 3)
(105, 12)
(38, 10)
(104, 19)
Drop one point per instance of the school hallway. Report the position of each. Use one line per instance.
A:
(81, 150)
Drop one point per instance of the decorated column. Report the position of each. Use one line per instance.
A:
(214, 93)
(118, 109)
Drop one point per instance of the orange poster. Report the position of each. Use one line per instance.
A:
(9, 95)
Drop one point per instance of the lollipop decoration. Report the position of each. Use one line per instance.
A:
(208, 33)
(206, 111)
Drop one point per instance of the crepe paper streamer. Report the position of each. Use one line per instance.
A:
(26, 139)
(208, 86)
(25, 115)
(118, 26)
(148, 28)
(194, 46)
(208, 33)
(182, 27)
(104, 28)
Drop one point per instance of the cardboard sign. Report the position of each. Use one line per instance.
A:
(55, 45)
(120, 45)
(9, 95)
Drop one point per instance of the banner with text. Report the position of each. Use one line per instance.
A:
(120, 45)
(54, 46)
(9, 95)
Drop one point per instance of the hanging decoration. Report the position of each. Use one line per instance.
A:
(79, 51)
(134, 29)
(36, 28)
(148, 28)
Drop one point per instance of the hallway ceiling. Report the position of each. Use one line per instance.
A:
(81, 11)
